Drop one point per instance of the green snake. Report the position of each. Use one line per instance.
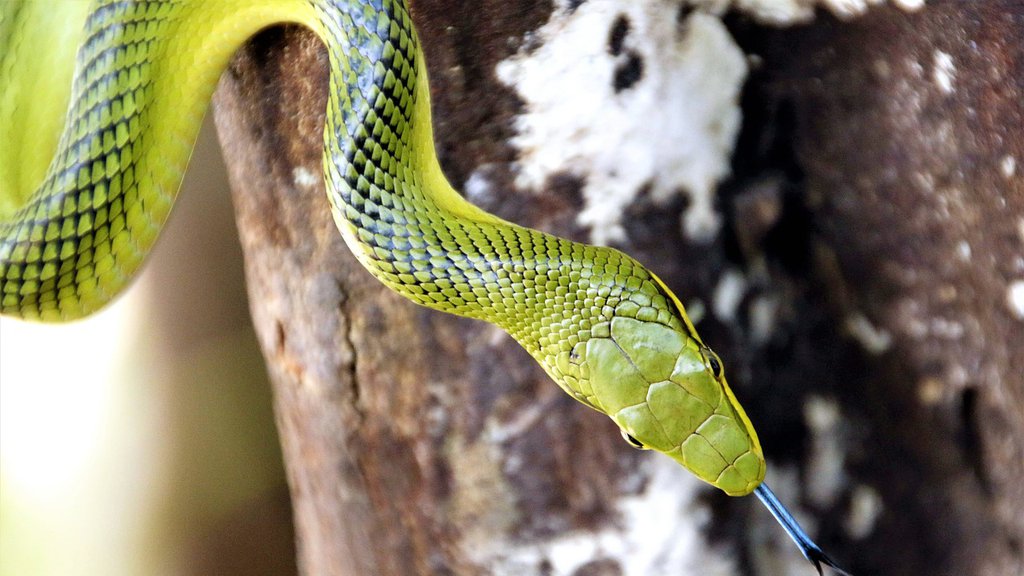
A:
(85, 194)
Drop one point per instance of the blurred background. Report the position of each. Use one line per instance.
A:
(142, 440)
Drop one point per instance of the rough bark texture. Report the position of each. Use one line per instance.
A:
(414, 441)
(914, 216)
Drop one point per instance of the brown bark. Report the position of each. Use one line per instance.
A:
(912, 215)
(386, 411)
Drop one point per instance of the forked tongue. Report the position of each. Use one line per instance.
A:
(808, 548)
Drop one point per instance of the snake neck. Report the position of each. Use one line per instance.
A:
(383, 178)
(406, 224)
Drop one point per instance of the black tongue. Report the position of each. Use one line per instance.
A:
(817, 557)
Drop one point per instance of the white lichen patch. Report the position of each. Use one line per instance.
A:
(865, 507)
(964, 251)
(1015, 299)
(728, 295)
(696, 310)
(945, 328)
(825, 475)
(304, 177)
(1008, 166)
(784, 12)
(909, 5)
(873, 339)
(522, 421)
(478, 188)
(943, 71)
(669, 129)
(658, 532)
(764, 313)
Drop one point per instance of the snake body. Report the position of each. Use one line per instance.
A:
(79, 221)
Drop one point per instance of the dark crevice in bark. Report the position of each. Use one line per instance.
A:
(971, 438)
(352, 366)
(830, 146)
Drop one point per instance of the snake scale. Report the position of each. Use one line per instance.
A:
(83, 201)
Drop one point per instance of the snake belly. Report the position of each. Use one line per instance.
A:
(605, 329)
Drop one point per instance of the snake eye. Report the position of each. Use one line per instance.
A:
(632, 441)
(716, 365)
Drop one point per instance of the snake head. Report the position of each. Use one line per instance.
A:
(667, 392)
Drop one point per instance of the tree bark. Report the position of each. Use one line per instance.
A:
(904, 135)
(419, 443)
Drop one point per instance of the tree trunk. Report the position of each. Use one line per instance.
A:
(905, 136)
(873, 228)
